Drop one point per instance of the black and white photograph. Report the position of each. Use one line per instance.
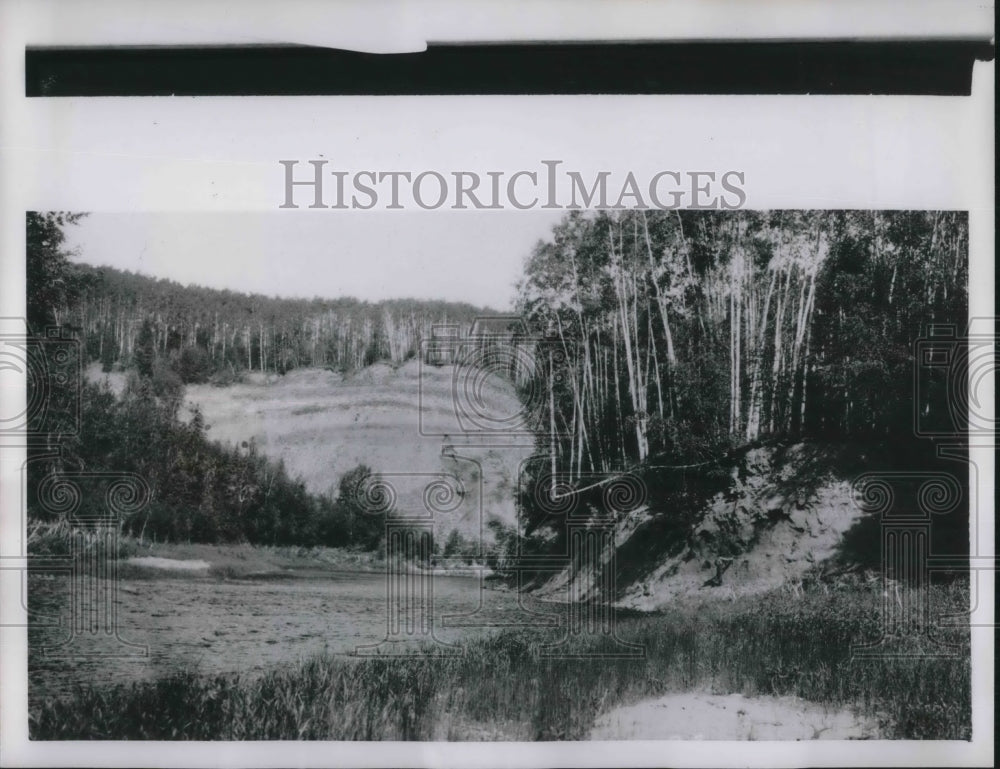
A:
(543, 393)
(651, 475)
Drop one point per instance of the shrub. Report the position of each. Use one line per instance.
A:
(226, 376)
(194, 365)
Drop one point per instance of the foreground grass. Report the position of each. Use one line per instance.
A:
(505, 687)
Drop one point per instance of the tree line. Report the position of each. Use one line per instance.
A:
(210, 332)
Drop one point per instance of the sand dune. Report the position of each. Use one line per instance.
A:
(322, 424)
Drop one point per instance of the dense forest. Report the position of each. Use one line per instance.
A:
(667, 339)
(216, 332)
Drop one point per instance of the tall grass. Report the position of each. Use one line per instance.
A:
(504, 687)
(56, 538)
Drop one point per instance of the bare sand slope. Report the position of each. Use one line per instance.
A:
(322, 424)
(704, 716)
(784, 521)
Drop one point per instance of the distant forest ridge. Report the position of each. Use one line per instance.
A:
(219, 329)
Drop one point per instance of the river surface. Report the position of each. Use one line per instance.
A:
(169, 624)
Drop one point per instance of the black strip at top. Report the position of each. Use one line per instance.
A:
(932, 67)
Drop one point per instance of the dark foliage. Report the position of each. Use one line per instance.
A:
(683, 336)
(199, 490)
(126, 319)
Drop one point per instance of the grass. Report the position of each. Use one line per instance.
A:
(228, 561)
(502, 687)
(55, 538)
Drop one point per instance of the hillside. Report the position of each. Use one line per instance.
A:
(125, 317)
(776, 516)
(322, 424)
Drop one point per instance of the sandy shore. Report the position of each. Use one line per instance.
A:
(705, 716)
(170, 564)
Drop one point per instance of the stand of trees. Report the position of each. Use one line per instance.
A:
(124, 316)
(679, 335)
(200, 490)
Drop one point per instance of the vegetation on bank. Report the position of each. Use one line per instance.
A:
(673, 338)
(505, 687)
(198, 489)
(658, 340)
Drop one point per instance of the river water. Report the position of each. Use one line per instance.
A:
(149, 628)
